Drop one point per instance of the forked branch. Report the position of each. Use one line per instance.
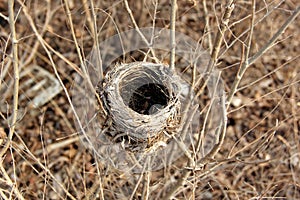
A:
(266, 47)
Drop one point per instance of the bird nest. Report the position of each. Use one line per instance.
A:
(143, 116)
(143, 105)
(135, 123)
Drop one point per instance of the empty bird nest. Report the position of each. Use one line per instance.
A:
(143, 105)
(141, 116)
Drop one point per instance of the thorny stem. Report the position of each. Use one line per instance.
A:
(257, 55)
(172, 33)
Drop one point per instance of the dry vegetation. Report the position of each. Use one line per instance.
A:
(260, 156)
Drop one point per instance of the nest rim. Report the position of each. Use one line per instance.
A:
(165, 120)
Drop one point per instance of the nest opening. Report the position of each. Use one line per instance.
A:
(144, 92)
(149, 99)
(143, 101)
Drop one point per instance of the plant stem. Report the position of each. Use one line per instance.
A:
(251, 60)
(172, 33)
(12, 125)
(15, 63)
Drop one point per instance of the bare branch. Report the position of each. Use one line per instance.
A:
(15, 63)
(267, 46)
(207, 26)
(12, 124)
(96, 40)
(172, 33)
(220, 35)
(138, 30)
(178, 184)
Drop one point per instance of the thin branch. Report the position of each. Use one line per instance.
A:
(139, 31)
(22, 146)
(88, 16)
(220, 35)
(220, 133)
(96, 40)
(41, 40)
(45, 46)
(216, 48)
(100, 181)
(146, 188)
(213, 60)
(15, 63)
(207, 26)
(68, 12)
(257, 55)
(248, 48)
(269, 12)
(4, 17)
(90, 84)
(172, 33)
(265, 95)
(275, 36)
(34, 48)
(268, 74)
(57, 145)
(178, 185)
(245, 57)
(262, 120)
(2, 195)
(10, 183)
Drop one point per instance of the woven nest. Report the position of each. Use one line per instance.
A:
(143, 102)
(139, 115)
(137, 119)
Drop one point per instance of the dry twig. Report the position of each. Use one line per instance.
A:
(15, 62)
(139, 31)
(207, 26)
(12, 124)
(267, 46)
(172, 33)
(220, 35)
